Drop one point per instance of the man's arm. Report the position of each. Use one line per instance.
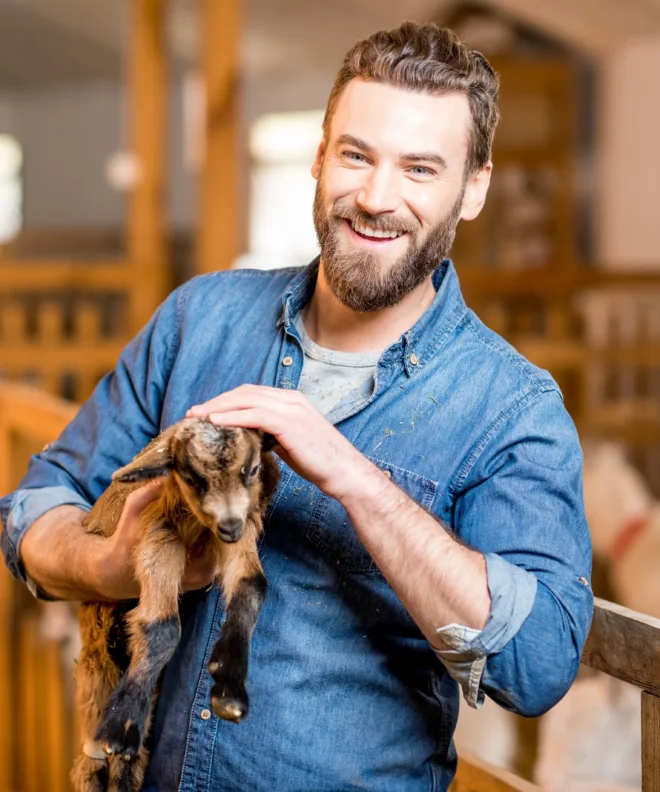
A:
(439, 580)
(68, 563)
(519, 503)
(121, 416)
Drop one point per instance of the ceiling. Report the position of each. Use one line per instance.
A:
(48, 42)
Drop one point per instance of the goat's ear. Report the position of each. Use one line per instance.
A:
(270, 476)
(151, 463)
(268, 442)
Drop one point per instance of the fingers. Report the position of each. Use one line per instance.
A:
(142, 497)
(246, 396)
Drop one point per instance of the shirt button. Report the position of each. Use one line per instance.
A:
(584, 581)
(287, 361)
(205, 714)
(414, 360)
(387, 474)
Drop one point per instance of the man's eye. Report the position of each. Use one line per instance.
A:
(353, 155)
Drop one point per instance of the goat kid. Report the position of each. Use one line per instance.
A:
(217, 482)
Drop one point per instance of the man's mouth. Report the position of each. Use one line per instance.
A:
(375, 235)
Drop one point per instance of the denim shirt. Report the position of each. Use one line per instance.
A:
(345, 691)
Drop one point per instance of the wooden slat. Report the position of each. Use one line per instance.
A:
(33, 414)
(217, 243)
(650, 743)
(476, 775)
(29, 724)
(146, 218)
(54, 715)
(63, 274)
(626, 645)
(63, 357)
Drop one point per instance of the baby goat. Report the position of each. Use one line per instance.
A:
(218, 481)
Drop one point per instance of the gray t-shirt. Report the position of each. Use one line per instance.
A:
(330, 379)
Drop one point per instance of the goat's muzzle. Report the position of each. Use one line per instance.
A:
(230, 530)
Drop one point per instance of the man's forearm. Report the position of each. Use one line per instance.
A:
(63, 558)
(439, 581)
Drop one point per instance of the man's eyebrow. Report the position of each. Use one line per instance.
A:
(350, 140)
(423, 156)
(426, 156)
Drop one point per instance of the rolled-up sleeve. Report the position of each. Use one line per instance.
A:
(520, 503)
(512, 593)
(20, 509)
(117, 421)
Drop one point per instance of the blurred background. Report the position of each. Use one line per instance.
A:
(145, 141)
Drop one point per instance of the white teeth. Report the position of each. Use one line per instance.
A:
(376, 233)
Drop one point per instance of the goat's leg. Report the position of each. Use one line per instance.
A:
(244, 586)
(154, 632)
(97, 673)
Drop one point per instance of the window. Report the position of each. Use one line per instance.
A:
(282, 149)
(11, 188)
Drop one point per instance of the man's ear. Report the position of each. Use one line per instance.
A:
(318, 160)
(476, 190)
(153, 462)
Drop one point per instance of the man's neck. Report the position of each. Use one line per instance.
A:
(332, 325)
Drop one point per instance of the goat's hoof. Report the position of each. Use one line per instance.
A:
(122, 739)
(228, 709)
(229, 705)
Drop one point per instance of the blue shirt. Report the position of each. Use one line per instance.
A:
(345, 691)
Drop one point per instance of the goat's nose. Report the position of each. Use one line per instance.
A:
(230, 529)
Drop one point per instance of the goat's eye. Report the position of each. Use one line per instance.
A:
(243, 470)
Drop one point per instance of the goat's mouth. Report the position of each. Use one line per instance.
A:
(231, 532)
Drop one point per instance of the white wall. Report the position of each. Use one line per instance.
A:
(628, 194)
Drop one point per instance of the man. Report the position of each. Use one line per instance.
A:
(428, 531)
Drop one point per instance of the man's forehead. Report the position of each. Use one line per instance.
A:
(393, 118)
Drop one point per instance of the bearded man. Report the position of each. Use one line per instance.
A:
(428, 535)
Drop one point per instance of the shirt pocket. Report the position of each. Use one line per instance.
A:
(332, 533)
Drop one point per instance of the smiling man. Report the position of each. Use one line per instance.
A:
(427, 537)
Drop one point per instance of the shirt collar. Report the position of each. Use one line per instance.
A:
(418, 345)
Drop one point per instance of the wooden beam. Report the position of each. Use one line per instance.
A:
(217, 238)
(626, 645)
(477, 775)
(146, 246)
(650, 743)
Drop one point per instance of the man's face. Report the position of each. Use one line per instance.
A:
(391, 188)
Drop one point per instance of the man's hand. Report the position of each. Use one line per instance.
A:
(116, 565)
(306, 441)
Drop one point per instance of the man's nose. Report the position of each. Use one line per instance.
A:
(380, 192)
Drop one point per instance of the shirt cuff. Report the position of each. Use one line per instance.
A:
(512, 593)
(17, 513)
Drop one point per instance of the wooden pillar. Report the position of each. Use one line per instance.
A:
(146, 246)
(217, 237)
(650, 742)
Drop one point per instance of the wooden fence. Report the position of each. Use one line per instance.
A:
(37, 728)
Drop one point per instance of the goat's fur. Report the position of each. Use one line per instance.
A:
(217, 483)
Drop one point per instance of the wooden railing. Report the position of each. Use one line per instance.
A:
(36, 718)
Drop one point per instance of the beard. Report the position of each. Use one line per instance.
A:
(362, 281)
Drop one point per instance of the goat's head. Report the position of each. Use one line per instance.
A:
(223, 473)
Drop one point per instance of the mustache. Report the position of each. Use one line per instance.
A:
(382, 222)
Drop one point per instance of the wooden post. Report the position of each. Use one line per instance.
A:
(217, 237)
(650, 742)
(7, 720)
(146, 246)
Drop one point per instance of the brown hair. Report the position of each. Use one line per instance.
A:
(427, 59)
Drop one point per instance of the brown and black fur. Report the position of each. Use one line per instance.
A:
(218, 481)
